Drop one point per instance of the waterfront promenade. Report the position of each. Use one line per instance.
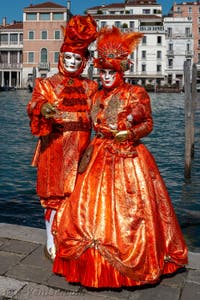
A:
(25, 274)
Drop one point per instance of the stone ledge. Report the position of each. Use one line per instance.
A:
(23, 233)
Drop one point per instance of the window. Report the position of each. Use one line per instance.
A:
(159, 54)
(31, 35)
(57, 35)
(58, 16)
(31, 16)
(117, 24)
(170, 63)
(146, 11)
(198, 57)
(170, 47)
(44, 35)
(21, 38)
(132, 24)
(169, 79)
(143, 68)
(30, 57)
(159, 40)
(43, 57)
(44, 16)
(4, 39)
(14, 39)
(144, 40)
(159, 68)
(56, 57)
(4, 57)
(190, 10)
(144, 54)
(199, 43)
(198, 19)
(132, 68)
(13, 57)
(187, 32)
(169, 32)
(103, 24)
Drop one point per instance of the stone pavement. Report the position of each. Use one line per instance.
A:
(25, 274)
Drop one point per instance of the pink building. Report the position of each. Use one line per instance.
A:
(192, 11)
(42, 38)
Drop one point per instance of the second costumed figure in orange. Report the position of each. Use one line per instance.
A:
(118, 227)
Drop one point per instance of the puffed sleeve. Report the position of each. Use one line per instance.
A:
(40, 126)
(137, 115)
(142, 115)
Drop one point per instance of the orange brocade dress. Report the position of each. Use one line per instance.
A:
(119, 227)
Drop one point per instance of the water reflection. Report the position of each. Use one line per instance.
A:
(18, 200)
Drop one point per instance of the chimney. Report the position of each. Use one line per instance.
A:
(69, 5)
(4, 22)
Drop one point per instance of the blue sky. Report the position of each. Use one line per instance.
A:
(13, 9)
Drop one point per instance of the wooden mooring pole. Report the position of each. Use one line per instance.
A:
(190, 100)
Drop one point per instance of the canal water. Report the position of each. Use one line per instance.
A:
(19, 202)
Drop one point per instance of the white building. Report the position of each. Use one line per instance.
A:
(152, 64)
(11, 50)
(179, 45)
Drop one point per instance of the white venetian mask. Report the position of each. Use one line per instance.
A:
(107, 77)
(72, 61)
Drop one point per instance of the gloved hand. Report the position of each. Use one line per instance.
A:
(48, 110)
(122, 136)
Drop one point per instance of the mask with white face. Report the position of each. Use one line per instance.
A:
(72, 61)
(107, 77)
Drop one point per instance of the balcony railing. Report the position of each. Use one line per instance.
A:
(10, 66)
(43, 66)
(188, 53)
(151, 28)
(170, 52)
(179, 35)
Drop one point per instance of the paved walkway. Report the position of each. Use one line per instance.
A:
(25, 274)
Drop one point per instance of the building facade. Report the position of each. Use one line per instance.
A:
(190, 10)
(42, 38)
(179, 48)
(148, 63)
(154, 62)
(11, 52)
(30, 48)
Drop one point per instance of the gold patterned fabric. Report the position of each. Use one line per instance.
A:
(119, 227)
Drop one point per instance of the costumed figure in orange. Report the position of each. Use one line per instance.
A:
(119, 227)
(59, 116)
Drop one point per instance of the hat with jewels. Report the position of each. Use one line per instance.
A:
(113, 48)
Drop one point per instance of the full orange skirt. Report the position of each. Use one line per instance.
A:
(119, 227)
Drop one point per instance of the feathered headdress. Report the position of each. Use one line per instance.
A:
(113, 48)
(78, 34)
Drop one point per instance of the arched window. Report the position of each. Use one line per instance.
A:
(43, 55)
